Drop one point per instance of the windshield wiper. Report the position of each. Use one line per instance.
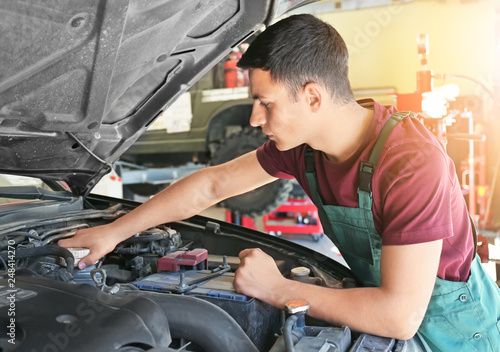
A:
(32, 192)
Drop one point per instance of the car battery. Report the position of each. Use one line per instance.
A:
(259, 320)
(220, 286)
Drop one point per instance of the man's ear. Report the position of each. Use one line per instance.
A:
(314, 95)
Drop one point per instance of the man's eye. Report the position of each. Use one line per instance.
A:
(266, 105)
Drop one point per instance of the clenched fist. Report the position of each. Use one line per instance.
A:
(259, 277)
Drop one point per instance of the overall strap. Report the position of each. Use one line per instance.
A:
(311, 176)
(474, 234)
(366, 169)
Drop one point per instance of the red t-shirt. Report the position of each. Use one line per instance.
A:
(416, 193)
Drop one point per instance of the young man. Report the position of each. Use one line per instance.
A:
(386, 191)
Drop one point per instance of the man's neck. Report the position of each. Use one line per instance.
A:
(345, 131)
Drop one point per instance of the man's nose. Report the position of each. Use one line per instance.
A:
(257, 118)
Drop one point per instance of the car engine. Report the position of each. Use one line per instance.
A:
(165, 289)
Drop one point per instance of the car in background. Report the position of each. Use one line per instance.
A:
(207, 125)
(80, 82)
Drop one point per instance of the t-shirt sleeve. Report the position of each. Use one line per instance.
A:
(415, 186)
(275, 162)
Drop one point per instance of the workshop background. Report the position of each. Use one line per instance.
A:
(440, 58)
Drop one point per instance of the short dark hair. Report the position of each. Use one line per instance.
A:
(302, 49)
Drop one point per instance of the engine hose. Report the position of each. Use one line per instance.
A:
(47, 240)
(22, 233)
(131, 250)
(147, 238)
(22, 253)
(4, 244)
(288, 334)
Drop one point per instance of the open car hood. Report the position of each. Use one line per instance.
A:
(80, 80)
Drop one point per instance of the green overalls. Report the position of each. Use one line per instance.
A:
(461, 316)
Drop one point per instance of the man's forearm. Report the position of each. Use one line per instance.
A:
(366, 309)
(385, 311)
(194, 193)
(181, 200)
(395, 309)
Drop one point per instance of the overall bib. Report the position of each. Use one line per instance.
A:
(461, 316)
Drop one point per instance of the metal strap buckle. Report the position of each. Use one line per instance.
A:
(365, 177)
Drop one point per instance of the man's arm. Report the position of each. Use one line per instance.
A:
(183, 199)
(395, 309)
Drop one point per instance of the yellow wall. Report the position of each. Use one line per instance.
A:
(383, 50)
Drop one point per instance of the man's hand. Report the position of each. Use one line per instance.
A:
(100, 240)
(395, 309)
(258, 276)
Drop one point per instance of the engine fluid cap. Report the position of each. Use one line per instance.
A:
(300, 271)
(79, 253)
(297, 306)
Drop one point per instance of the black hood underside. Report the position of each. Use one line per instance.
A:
(80, 80)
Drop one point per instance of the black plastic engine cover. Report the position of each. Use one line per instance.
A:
(78, 318)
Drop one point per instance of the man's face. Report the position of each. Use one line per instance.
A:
(281, 118)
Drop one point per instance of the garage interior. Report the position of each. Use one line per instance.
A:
(106, 103)
(439, 58)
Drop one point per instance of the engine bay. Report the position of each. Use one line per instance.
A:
(169, 288)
